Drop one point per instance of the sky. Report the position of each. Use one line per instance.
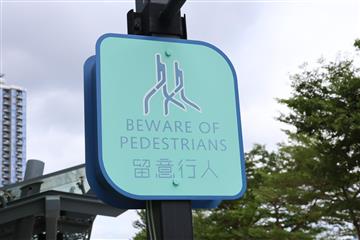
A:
(43, 45)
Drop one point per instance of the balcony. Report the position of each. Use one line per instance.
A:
(6, 178)
(6, 149)
(6, 95)
(6, 163)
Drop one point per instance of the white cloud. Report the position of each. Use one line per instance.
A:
(119, 227)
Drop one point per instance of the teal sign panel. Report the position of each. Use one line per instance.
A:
(168, 119)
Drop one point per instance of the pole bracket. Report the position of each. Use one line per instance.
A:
(157, 18)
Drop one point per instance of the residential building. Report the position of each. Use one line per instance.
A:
(12, 133)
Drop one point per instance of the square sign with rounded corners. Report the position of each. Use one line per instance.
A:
(167, 120)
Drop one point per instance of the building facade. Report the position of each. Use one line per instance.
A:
(12, 133)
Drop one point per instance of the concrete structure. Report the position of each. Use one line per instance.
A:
(12, 133)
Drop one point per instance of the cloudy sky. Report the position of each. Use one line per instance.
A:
(44, 44)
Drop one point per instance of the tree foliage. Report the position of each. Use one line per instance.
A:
(141, 225)
(325, 116)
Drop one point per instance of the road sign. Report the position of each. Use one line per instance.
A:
(167, 120)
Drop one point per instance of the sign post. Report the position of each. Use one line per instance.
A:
(165, 219)
(162, 121)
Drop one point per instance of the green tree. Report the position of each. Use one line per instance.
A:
(141, 225)
(325, 138)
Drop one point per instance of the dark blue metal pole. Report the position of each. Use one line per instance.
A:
(165, 220)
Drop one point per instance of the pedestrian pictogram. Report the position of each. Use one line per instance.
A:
(162, 86)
